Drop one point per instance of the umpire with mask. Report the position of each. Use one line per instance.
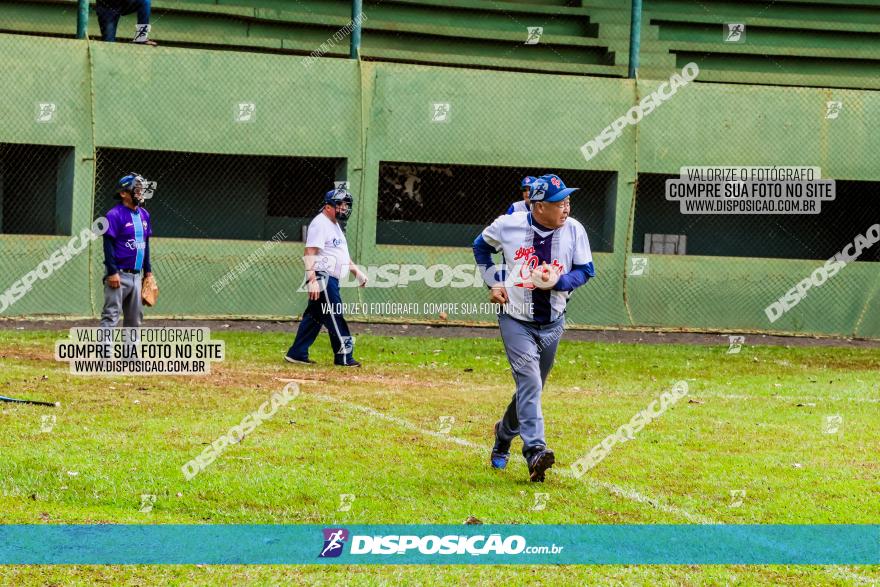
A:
(126, 254)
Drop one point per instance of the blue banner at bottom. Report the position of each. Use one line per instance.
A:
(441, 544)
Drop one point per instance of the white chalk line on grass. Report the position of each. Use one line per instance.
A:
(399, 421)
(699, 394)
(787, 398)
(626, 493)
(638, 497)
(708, 394)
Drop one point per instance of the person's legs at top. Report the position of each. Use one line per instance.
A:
(108, 14)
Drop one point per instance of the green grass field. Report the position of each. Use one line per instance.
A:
(753, 421)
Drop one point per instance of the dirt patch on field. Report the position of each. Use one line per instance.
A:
(26, 354)
(443, 331)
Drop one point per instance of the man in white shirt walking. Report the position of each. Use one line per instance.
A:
(326, 259)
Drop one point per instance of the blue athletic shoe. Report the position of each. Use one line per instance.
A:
(539, 461)
(500, 452)
(499, 459)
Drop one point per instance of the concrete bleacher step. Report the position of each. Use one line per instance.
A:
(285, 26)
(370, 53)
(841, 3)
(801, 24)
(834, 42)
(819, 43)
(777, 13)
(868, 53)
(762, 4)
(775, 79)
(513, 8)
(465, 33)
(658, 59)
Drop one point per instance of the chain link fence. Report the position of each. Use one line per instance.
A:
(213, 196)
(243, 137)
(36, 182)
(772, 236)
(449, 205)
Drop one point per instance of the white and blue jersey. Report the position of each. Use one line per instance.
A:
(526, 246)
(327, 236)
(518, 206)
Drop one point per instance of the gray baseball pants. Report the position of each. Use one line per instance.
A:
(531, 350)
(126, 299)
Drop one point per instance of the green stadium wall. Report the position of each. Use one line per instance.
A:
(365, 112)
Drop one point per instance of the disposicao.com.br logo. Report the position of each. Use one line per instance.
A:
(477, 545)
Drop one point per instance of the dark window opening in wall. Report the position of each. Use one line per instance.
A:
(36, 189)
(439, 204)
(777, 236)
(297, 186)
(210, 196)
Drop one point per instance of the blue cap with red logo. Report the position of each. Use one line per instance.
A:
(549, 188)
(527, 181)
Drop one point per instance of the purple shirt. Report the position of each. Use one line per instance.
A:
(122, 231)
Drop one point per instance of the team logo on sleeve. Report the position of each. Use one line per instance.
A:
(334, 540)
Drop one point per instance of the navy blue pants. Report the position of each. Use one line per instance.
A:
(325, 311)
(109, 11)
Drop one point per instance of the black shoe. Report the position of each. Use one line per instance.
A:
(352, 364)
(290, 359)
(539, 461)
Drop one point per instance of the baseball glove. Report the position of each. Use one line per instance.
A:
(545, 277)
(149, 290)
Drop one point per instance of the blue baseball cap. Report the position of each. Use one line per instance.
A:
(549, 188)
(527, 181)
(338, 196)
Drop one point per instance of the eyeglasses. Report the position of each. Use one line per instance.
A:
(561, 205)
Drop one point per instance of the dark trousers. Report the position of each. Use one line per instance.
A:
(109, 11)
(325, 311)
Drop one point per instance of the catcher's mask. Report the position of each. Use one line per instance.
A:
(337, 198)
(138, 186)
